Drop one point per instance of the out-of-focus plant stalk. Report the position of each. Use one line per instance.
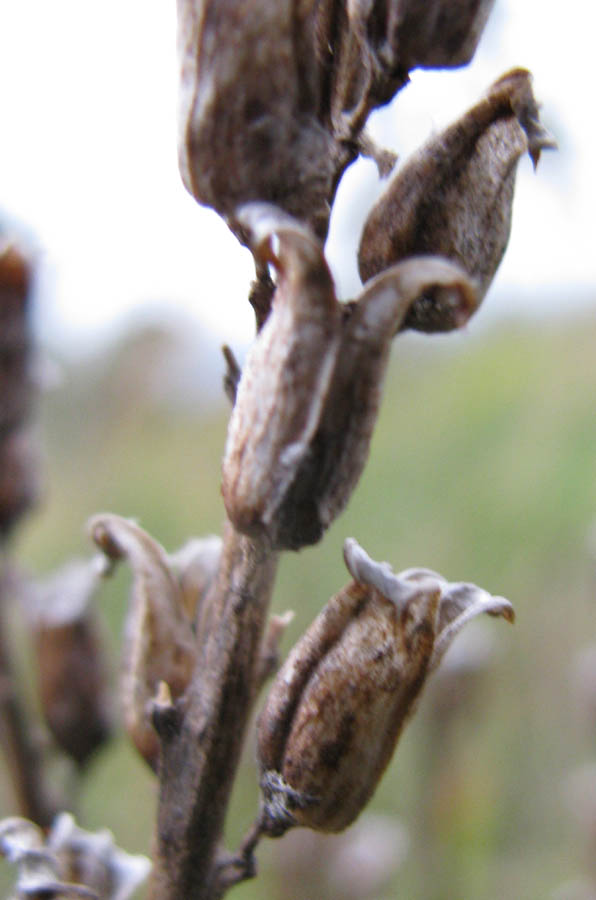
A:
(17, 494)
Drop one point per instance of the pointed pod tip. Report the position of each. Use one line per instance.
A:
(102, 535)
(381, 577)
(541, 139)
(504, 609)
(355, 558)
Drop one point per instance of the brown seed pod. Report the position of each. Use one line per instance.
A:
(310, 391)
(71, 660)
(433, 33)
(341, 699)
(454, 196)
(165, 604)
(274, 97)
(249, 99)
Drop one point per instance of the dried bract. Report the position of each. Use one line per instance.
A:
(454, 196)
(341, 699)
(309, 395)
(160, 635)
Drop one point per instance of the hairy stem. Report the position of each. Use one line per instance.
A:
(202, 738)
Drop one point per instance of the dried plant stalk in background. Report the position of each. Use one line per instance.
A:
(18, 492)
(18, 473)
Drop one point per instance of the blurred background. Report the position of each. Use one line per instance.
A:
(483, 465)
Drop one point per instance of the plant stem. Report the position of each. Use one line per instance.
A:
(203, 738)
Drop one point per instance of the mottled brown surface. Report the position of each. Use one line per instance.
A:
(274, 96)
(454, 196)
(338, 704)
(340, 701)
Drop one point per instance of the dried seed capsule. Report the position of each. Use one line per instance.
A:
(310, 392)
(166, 600)
(454, 196)
(341, 699)
(274, 96)
(436, 33)
(70, 656)
(248, 111)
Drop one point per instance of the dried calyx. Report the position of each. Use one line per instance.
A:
(310, 392)
(167, 603)
(341, 699)
(454, 196)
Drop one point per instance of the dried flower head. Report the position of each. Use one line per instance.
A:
(344, 694)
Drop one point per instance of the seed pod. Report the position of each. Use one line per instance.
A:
(274, 96)
(341, 699)
(165, 603)
(248, 107)
(434, 33)
(70, 656)
(309, 395)
(454, 196)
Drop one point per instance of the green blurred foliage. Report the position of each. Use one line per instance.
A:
(483, 466)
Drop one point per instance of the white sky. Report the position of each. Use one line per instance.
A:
(88, 164)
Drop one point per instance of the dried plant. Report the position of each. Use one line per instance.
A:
(274, 102)
(69, 862)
